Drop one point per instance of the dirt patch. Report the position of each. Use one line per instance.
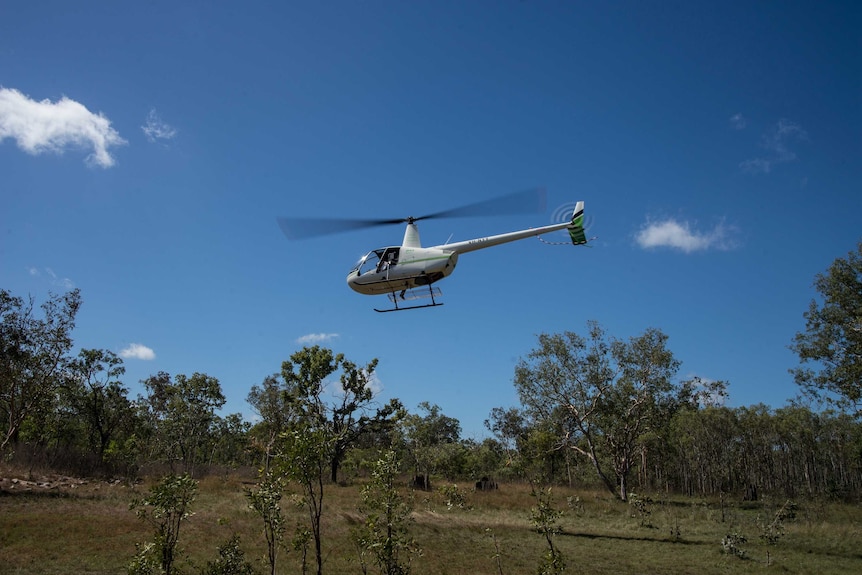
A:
(12, 482)
(42, 483)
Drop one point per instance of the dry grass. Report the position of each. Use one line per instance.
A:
(89, 529)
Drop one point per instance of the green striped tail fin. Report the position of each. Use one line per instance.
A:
(576, 229)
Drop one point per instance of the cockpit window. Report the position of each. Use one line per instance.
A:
(377, 260)
(368, 263)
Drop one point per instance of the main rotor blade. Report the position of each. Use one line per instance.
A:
(527, 201)
(301, 228)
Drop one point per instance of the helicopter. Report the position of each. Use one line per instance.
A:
(408, 271)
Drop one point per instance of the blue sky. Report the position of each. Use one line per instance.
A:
(146, 150)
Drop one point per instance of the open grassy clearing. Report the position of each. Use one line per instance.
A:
(88, 528)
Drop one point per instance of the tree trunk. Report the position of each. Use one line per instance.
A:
(333, 467)
(624, 486)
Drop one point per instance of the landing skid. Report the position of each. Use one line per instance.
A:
(409, 295)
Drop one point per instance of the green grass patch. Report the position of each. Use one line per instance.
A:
(90, 529)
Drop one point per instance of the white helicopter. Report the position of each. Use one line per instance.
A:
(400, 271)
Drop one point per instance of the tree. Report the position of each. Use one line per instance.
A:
(832, 340)
(344, 411)
(271, 402)
(165, 508)
(33, 356)
(384, 533)
(606, 394)
(642, 399)
(98, 397)
(318, 433)
(231, 560)
(265, 501)
(229, 438)
(428, 437)
(183, 412)
(304, 454)
(509, 427)
(545, 519)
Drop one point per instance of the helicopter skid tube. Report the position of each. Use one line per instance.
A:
(396, 308)
(406, 295)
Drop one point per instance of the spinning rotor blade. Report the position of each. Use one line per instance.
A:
(301, 228)
(529, 201)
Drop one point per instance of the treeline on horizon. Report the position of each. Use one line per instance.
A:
(596, 411)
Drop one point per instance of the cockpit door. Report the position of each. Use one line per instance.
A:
(388, 259)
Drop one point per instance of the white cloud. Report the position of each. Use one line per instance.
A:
(776, 143)
(680, 236)
(313, 338)
(138, 351)
(65, 283)
(738, 121)
(55, 126)
(156, 129)
(374, 384)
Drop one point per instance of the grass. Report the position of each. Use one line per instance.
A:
(90, 529)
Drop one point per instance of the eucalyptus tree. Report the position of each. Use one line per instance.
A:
(830, 348)
(605, 393)
(269, 401)
(98, 397)
(430, 438)
(707, 447)
(304, 392)
(182, 411)
(33, 356)
(166, 508)
(510, 428)
(323, 420)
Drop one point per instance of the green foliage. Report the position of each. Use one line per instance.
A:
(165, 508)
(772, 532)
(98, 397)
(454, 497)
(182, 412)
(231, 560)
(832, 340)
(498, 555)
(265, 501)
(545, 519)
(33, 357)
(641, 508)
(603, 396)
(732, 544)
(124, 456)
(302, 457)
(384, 534)
(431, 439)
(317, 434)
(145, 561)
(302, 393)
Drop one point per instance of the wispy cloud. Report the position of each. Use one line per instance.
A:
(47, 126)
(737, 121)
(138, 351)
(777, 143)
(313, 338)
(680, 235)
(156, 129)
(56, 280)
